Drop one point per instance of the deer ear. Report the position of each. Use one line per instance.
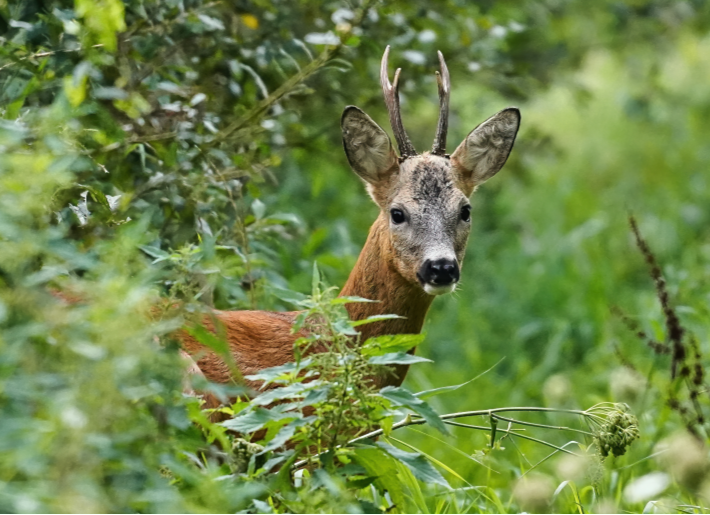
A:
(367, 146)
(486, 149)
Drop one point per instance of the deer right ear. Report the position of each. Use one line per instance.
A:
(367, 146)
(486, 149)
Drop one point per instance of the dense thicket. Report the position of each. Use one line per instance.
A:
(190, 150)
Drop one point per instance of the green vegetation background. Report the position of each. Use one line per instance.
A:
(207, 135)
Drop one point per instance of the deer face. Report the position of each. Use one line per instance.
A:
(429, 223)
(425, 198)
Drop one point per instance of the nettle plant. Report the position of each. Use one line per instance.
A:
(323, 400)
(310, 434)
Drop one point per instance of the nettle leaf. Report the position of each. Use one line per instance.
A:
(350, 299)
(154, 252)
(280, 373)
(422, 469)
(277, 460)
(317, 395)
(292, 297)
(287, 432)
(262, 506)
(405, 398)
(397, 358)
(374, 318)
(315, 279)
(257, 419)
(291, 391)
(344, 327)
(381, 345)
(383, 467)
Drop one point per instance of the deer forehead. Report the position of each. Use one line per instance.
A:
(427, 182)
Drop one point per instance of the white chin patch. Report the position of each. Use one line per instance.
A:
(439, 290)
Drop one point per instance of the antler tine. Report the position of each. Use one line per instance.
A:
(444, 82)
(391, 94)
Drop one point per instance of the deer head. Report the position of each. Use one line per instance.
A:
(425, 197)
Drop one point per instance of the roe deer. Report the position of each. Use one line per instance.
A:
(415, 247)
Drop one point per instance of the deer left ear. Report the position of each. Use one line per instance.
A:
(486, 149)
(367, 146)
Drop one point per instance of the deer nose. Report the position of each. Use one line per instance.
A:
(440, 272)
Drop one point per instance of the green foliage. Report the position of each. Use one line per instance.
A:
(189, 150)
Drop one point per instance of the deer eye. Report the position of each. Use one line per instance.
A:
(466, 213)
(397, 216)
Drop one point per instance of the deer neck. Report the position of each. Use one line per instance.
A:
(375, 277)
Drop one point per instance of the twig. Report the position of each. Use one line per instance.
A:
(447, 419)
(512, 433)
(46, 53)
(560, 428)
(476, 413)
(277, 95)
(304, 73)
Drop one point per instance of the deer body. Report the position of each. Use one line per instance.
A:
(415, 247)
(263, 339)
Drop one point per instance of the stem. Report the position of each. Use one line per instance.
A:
(511, 433)
(303, 74)
(490, 412)
(341, 409)
(561, 428)
(462, 414)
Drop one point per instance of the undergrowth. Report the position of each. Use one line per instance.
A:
(319, 435)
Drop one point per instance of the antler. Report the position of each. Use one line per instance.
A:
(391, 93)
(444, 83)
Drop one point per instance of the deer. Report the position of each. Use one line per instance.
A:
(415, 247)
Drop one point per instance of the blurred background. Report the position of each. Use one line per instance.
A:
(193, 148)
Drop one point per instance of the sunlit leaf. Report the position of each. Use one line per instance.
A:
(381, 345)
(399, 358)
(256, 419)
(402, 397)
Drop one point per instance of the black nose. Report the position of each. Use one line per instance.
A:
(440, 272)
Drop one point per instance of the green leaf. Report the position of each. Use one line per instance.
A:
(344, 327)
(417, 463)
(349, 299)
(257, 419)
(103, 18)
(75, 90)
(290, 296)
(315, 281)
(258, 208)
(154, 252)
(385, 469)
(279, 372)
(97, 195)
(288, 392)
(210, 22)
(374, 318)
(402, 397)
(208, 338)
(397, 358)
(381, 345)
(287, 432)
(444, 389)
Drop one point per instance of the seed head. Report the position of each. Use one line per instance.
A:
(618, 432)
